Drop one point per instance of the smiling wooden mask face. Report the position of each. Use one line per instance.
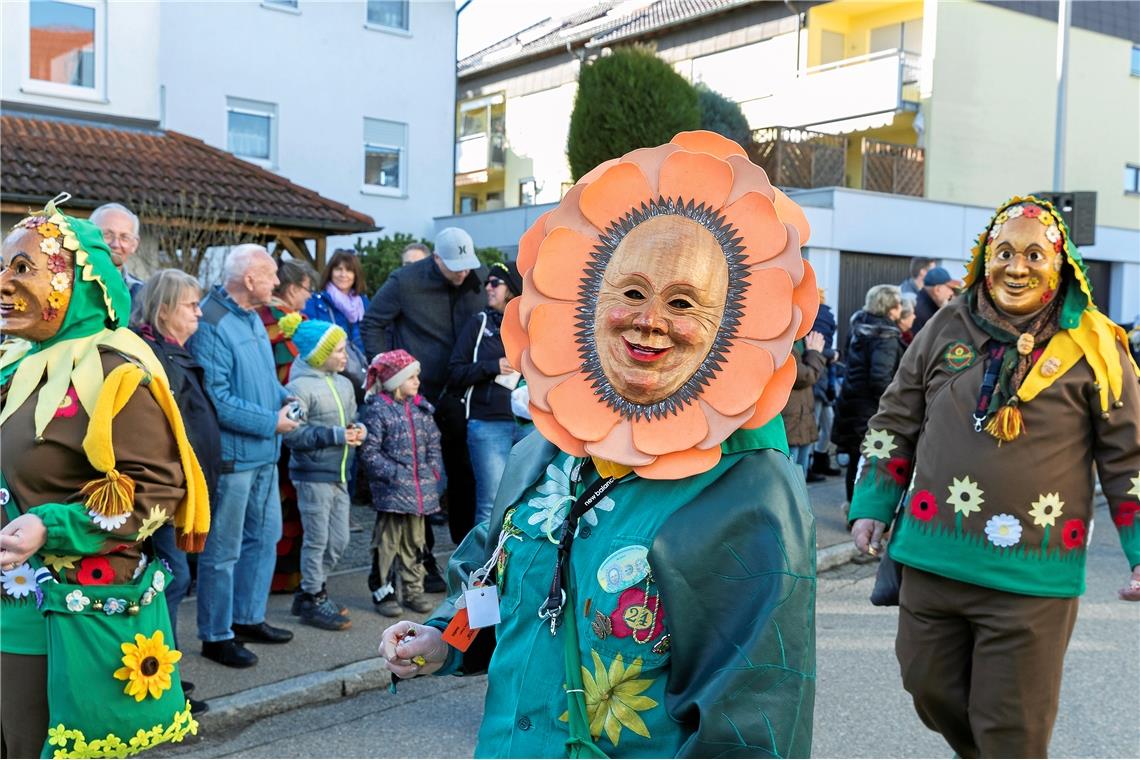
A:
(659, 307)
(1023, 270)
(35, 285)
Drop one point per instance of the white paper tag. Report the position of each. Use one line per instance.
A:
(482, 606)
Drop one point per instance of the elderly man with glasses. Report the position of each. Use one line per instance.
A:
(120, 228)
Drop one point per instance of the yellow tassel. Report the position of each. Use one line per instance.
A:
(112, 494)
(1007, 424)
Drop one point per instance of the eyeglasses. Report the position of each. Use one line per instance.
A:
(124, 238)
(495, 282)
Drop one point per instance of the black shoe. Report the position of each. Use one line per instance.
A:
(433, 581)
(231, 653)
(821, 465)
(198, 708)
(815, 477)
(187, 688)
(263, 633)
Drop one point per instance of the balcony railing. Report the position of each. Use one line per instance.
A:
(893, 168)
(800, 158)
(846, 89)
(479, 152)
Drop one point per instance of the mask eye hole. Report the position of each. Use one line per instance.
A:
(634, 294)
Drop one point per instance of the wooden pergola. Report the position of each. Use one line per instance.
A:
(182, 189)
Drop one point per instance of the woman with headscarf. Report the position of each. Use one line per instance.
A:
(480, 372)
(646, 576)
(96, 460)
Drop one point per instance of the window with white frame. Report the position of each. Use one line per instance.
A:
(66, 46)
(385, 156)
(251, 129)
(1132, 179)
(392, 14)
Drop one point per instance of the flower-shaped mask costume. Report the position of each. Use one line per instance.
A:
(660, 302)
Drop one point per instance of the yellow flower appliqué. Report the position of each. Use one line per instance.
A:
(155, 520)
(1046, 509)
(147, 665)
(965, 496)
(878, 444)
(59, 563)
(614, 698)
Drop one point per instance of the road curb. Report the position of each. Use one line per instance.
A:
(834, 556)
(244, 707)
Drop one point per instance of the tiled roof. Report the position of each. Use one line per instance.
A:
(598, 25)
(98, 163)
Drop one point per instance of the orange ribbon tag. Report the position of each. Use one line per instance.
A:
(459, 634)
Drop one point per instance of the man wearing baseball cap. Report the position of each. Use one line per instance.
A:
(421, 309)
(937, 289)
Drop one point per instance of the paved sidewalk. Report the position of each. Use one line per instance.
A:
(319, 666)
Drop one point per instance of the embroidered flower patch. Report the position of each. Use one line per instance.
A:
(637, 613)
(94, 571)
(1073, 534)
(76, 601)
(878, 444)
(959, 355)
(1003, 530)
(923, 506)
(1125, 514)
(19, 582)
(965, 496)
(1046, 509)
(899, 469)
(108, 522)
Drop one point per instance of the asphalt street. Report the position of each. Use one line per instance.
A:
(861, 709)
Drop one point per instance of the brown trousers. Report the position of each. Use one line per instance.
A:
(23, 704)
(399, 536)
(983, 666)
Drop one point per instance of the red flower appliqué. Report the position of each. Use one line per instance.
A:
(1058, 244)
(95, 571)
(1073, 534)
(50, 313)
(638, 616)
(1031, 211)
(923, 506)
(899, 468)
(1126, 514)
(69, 405)
(1047, 296)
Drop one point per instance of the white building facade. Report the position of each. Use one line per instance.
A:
(352, 99)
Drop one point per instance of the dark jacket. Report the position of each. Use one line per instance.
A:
(823, 389)
(475, 364)
(799, 413)
(233, 348)
(874, 349)
(401, 454)
(188, 384)
(320, 306)
(421, 312)
(924, 309)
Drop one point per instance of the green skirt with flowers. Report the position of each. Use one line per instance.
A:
(114, 687)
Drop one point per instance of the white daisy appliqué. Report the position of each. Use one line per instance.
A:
(108, 522)
(19, 582)
(1003, 530)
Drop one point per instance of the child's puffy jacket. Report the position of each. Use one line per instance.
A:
(401, 454)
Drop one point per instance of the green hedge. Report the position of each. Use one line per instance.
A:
(627, 100)
(379, 257)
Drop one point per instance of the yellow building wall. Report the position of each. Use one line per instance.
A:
(991, 115)
(855, 19)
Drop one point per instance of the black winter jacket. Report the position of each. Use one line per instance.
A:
(421, 312)
(188, 384)
(474, 368)
(874, 350)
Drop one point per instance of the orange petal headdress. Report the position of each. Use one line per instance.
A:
(745, 379)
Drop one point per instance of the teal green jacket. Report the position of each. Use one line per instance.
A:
(695, 602)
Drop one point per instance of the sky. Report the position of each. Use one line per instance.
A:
(485, 22)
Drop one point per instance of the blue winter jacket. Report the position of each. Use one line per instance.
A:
(233, 348)
(320, 306)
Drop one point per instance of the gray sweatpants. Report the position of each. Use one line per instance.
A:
(324, 516)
